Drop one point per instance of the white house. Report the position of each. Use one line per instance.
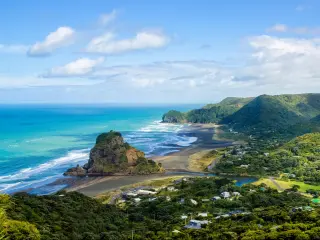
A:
(236, 194)
(137, 200)
(225, 195)
(184, 217)
(196, 224)
(171, 189)
(203, 214)
(244, 166)
(131, 194)
(216, 198)
(194, 202)
(145, 192)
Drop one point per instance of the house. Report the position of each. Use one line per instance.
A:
(225, 195)
(171, 189)
(131, 194)
(184, 216)
(216, 198)
(196, 224)
(244, 165)
(145, 192)
(203, 214)
(194, 202)
(137, 200)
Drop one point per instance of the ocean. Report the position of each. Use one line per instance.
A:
(39, 142)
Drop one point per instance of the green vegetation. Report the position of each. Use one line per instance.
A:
(173, 116)
(288, 184)
(107, 137)
(14, 229)
(214, 113)
(298, 159)
(255, 212)
(264, 115)
(211, 113)
(274, 113)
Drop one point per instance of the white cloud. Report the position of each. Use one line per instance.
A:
(275, 65)
(105, 19)
(283, 64)
(9, 48)
(297, 30)
(268, 47)
(278, 28)
(63, 36)
(79, 67)
(107, 44)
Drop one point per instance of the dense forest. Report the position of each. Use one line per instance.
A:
(255, 212)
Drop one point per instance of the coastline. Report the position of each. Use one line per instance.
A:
(175, 163)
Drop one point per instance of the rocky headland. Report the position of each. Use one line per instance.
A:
(112, 156)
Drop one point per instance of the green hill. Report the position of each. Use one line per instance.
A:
(293, 114)
(211, 113)
(274, 113)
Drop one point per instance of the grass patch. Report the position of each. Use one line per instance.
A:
(287, 184)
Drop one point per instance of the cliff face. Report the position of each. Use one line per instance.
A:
(111, 155)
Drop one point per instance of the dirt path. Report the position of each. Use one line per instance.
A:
(276, 184)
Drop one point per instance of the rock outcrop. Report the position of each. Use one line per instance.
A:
(173, 116)
(111, 155)
(76, 171)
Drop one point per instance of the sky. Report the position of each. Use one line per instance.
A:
(161, 51)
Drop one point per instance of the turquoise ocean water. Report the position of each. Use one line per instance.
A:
(39, 142)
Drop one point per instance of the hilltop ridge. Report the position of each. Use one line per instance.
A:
(292, 112)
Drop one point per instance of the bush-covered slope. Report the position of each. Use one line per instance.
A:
(211, 113)
(173, 116)
(256, 212)
(275, 112)
(298, 158)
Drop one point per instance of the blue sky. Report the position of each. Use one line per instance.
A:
(156, 51)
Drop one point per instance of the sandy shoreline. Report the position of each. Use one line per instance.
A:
(175, 164)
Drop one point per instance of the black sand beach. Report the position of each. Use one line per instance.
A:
(175, 164)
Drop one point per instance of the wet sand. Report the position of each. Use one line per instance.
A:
(175, 164)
